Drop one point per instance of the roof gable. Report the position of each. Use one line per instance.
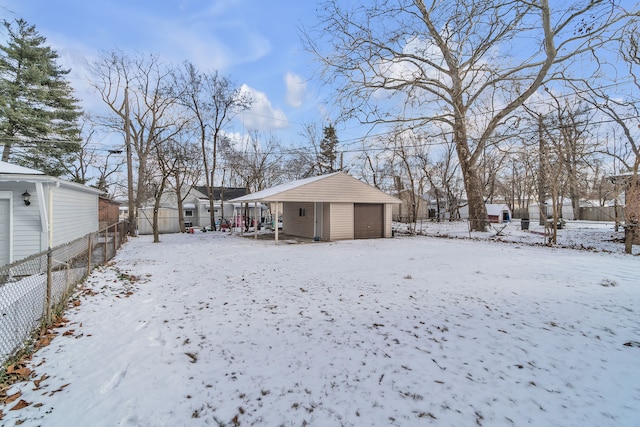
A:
(337, 187)
(10, 168)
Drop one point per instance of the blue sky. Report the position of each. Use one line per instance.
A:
(254, 42)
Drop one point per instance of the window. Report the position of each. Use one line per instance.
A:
(188, 213)
(302, 212)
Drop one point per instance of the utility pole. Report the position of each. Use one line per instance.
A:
(127, 142)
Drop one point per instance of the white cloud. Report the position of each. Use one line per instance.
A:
(262, 115)
(296, 88)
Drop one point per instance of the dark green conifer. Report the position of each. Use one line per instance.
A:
(38, 112)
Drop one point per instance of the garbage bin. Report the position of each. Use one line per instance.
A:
(524, 224)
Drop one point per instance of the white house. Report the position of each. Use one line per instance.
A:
(39, 211)
(195, 206)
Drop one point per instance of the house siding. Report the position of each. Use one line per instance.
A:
(337, 193)
(27, 227)
(167, 221)
(296, 225)
(5, 227)
(326, 225)
(75, 214)
(340, 188)
(388, 213)
(341, 221)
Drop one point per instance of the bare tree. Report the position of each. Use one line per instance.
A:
(140, 94)
(445, 62)
(444, 178)
(86, 157)
(303, 162)
(408, 154)
(168, 161)
(574, 144)
(108, 169)
(622, 110)
(186, 173)
(214, 100)
(255, 162)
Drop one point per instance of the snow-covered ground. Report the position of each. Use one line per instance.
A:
(217, 329)
(584, 235)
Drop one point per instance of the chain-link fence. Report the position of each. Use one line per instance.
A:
(33, 288)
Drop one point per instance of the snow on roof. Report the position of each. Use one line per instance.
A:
(496, 209)
(9, 168)
(263, 194)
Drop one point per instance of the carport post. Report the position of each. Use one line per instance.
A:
(275, 221)
(255, 223)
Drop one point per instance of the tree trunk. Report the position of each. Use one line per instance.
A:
(632, 209)
(471, 177)
(156, 209)
(478, 219)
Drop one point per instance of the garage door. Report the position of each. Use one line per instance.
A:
(368, 221)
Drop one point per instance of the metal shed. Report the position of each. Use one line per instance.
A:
(330, 207)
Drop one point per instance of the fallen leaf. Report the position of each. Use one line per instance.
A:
(13, 397)
(58, 390)
(69, 332)
(44, 341)
(21, 371)
(20, 405)
(38, 381)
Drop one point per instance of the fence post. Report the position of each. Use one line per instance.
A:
(49, 286)
(106, 244)
(89, 256)
(114, 240)
(115, 237)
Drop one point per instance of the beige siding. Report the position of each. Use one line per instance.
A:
(388, 212)
(326, 225)
(340, 188)
(167, 221)
(341, 221)
(296, 225)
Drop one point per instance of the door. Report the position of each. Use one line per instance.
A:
(368, 221)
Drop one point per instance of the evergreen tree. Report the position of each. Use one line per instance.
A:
(38, 113)
(328, 150)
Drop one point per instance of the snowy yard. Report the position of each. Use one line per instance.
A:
(216, 329)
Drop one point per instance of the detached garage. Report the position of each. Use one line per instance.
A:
(330, 207)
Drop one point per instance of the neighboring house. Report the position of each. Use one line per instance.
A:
(108, 211)
(498, 213)
(405, 212)
(196, 209)
(566, 210)
(33, 204)
(330, 207)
